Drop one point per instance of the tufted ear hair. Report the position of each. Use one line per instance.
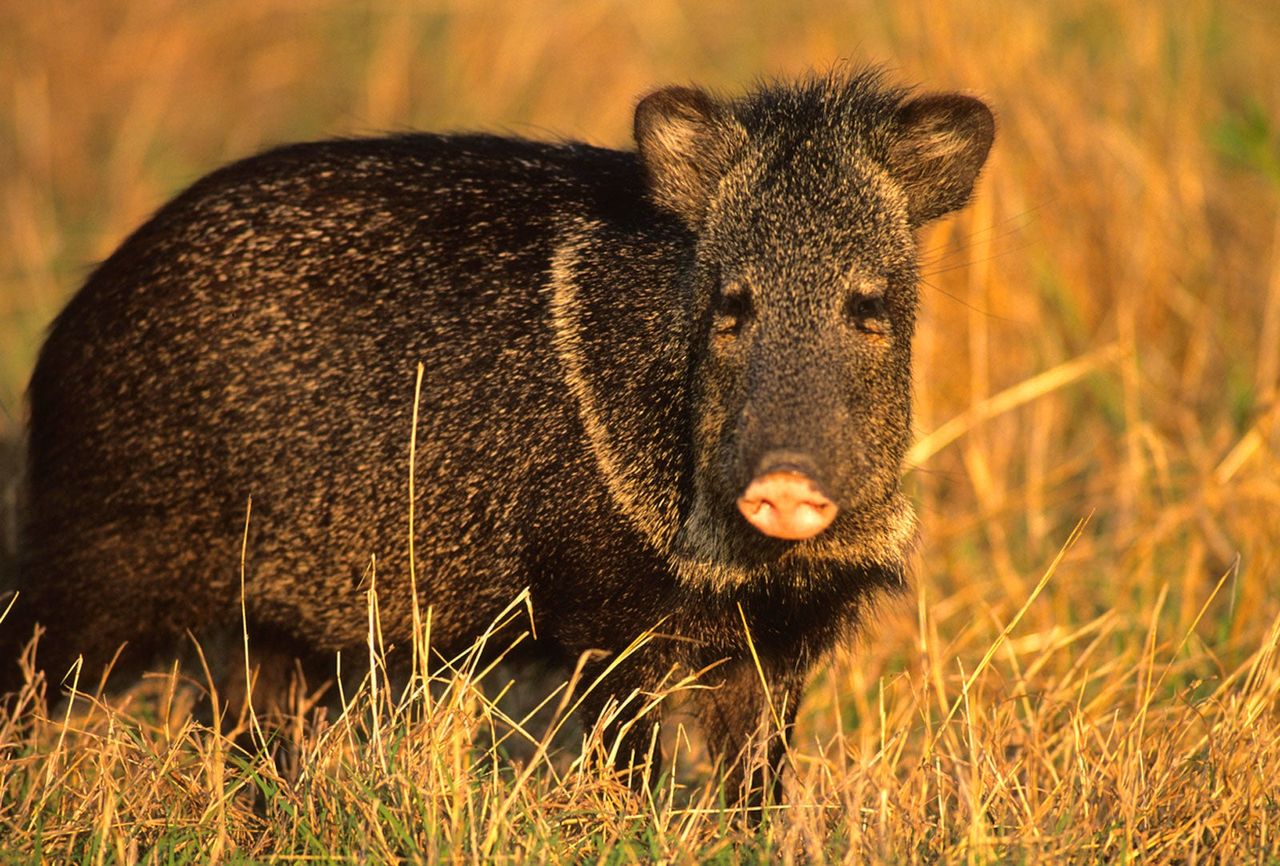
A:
(687, 141)
(939, 146)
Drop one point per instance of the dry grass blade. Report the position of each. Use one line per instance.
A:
(1008, 629)
(1027, 391)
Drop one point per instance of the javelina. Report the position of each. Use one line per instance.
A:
(662, 388)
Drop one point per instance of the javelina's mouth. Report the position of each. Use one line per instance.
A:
(786, 505)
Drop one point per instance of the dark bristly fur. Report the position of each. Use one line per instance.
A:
(611, 341)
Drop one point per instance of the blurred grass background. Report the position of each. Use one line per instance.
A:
(1099, 338)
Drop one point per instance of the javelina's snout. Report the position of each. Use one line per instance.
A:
(783, 500)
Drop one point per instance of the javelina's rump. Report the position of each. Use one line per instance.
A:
(660, 388)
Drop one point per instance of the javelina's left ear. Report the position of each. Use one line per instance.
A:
(940, 145)
(686, 141)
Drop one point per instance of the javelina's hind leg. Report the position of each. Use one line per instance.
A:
(288, 679)
(99, 600)
(287, 676)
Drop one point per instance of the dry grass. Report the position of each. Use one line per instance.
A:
(1100, 348)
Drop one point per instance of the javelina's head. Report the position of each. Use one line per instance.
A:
(804, 200)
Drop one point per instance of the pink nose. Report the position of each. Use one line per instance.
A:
(786, 505)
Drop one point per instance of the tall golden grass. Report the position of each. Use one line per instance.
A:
(1087, 670)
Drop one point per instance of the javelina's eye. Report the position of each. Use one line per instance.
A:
(732, 307)
(867, 312)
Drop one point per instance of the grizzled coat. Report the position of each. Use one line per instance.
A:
(615, 344)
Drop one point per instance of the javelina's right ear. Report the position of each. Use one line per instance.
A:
(942, 142)
(686, 141)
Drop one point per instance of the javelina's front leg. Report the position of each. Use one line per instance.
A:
(747, 729)
(619, 700)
